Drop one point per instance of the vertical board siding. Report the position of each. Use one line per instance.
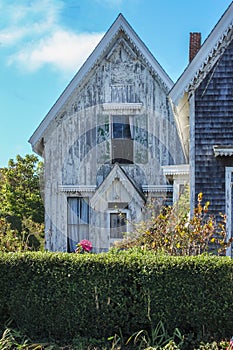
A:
(120, 79)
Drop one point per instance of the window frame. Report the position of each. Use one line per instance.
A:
(117, 211)
(80, 221)
(127, 117)
(126, 143)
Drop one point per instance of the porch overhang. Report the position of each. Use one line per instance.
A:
(223, 151)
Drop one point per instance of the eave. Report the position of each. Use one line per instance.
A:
(223, 150)
(176, 170)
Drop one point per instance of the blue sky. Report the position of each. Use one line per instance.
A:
(44, 42)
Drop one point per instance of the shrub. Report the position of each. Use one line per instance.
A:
(173, 232)
(63, 295)
(29, 237)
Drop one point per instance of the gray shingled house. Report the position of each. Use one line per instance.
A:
(202, 101)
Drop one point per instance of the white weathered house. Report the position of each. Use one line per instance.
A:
(106, 144)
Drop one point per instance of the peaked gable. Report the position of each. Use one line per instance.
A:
(104, 46)
(119, 177)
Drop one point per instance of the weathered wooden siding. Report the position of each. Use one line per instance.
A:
(214, 126)
(119, 79)
(78, 144)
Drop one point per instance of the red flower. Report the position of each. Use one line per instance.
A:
(86, 245)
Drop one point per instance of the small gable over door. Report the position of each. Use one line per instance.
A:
(115, 203)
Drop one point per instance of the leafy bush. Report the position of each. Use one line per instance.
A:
(30, 237)
(64, 296)
(173, 232)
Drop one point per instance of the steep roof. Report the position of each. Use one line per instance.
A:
(206, 57)
(120, 24)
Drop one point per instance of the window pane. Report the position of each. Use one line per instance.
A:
(121, 127)
(117, 225)
(83, 232)
(84, 211)
(122, 151)
(72, 237)
(73, 209)
(78, 220)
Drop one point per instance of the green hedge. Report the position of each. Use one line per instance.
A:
(63, 295)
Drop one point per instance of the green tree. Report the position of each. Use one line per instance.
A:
(20, 188)
(21, 204)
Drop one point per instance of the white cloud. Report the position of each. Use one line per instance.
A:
(30, 20)
(10, 37)
(64, 50)
(35, 37)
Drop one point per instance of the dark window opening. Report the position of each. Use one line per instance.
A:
(122, 140)
(117, 225)
(121, 127)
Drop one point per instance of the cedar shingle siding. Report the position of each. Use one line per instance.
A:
(214, 126)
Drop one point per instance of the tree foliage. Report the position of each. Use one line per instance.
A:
(20, 188)
(175, 233)
(31, 236)
(21, 205)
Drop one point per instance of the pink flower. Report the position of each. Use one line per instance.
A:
(86, 245)
(230, 347)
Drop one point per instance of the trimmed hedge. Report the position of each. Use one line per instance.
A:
(61, 295)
